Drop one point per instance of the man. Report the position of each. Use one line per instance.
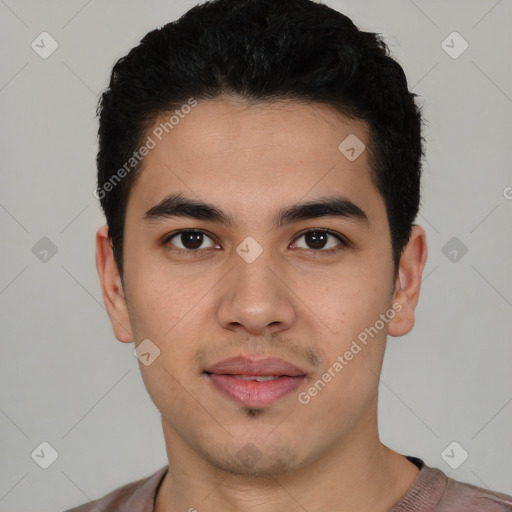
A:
(259, 168)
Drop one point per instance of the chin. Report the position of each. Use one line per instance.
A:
(254, 458)
(265, 466)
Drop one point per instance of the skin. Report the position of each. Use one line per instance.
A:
(292, 302)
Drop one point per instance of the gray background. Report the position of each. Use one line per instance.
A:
(67, 381)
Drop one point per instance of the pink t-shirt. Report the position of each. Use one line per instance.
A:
(432, 491)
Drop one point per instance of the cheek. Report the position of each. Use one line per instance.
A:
(351, 307)
(169, 312)
(159, 304)
(350, 303)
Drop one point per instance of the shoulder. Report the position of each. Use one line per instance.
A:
(434, 491)
(134, 496)
(470, 498)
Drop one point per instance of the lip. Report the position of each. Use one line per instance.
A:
(247, 366)
(251, 393)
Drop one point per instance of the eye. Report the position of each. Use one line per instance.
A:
(194, 240)
(189, 240)
(318, 240)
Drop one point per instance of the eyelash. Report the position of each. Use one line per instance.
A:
(343, 242)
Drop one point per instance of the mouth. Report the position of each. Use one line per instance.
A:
(255, 383)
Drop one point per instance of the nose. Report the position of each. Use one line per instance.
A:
(256, 297)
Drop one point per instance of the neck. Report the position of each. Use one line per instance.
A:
(359, 474)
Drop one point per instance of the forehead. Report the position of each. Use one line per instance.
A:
(254, 154)
(227, 125)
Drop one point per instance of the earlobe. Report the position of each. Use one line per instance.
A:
(111, 287)
(408, 282)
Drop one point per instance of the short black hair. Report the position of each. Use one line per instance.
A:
(263, 50)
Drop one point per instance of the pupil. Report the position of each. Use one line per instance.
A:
(192, 240)
(316, 239)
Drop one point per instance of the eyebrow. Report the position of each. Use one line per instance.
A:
(177, 205)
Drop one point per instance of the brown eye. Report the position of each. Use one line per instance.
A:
(321, 240)
(190, 240)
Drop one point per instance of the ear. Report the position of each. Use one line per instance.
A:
(111, 287)
(408, 282)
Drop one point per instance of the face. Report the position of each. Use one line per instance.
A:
(246, 276)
